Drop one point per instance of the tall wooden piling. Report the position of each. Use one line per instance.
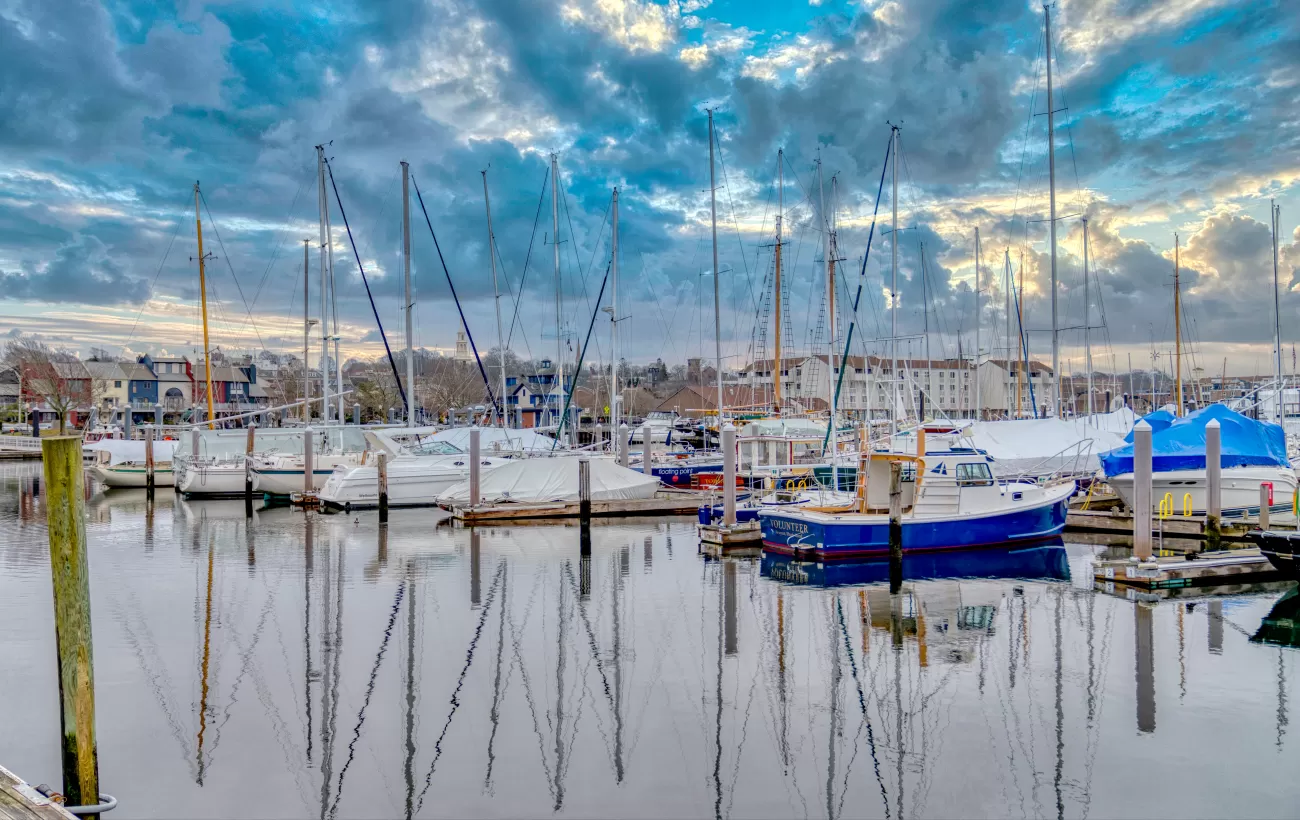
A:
(249, 446)
(381, 466)
(648, 448)
(728, 475)
(1213, 484)
(308, 459)
(1264, 492)
(474, 472)
(148, 462)
(1142, 490)
(356, 414)
(69, 571)
(622, 444)
(895, 525)
(584, 489)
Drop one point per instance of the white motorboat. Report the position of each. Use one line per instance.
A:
(1182, 490)
(415, 477)
(210, 477)
(540, 480)
(662, 424)
(218, 469)
(282, 473)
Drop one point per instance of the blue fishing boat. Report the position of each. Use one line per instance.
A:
(1047, 561)
(951, 499)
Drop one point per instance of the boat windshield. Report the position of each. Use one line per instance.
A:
(428, 447)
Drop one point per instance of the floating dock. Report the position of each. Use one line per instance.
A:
(19, 801)
(1237, 566)
(742, 539)
(664, 503)
(1120, 522)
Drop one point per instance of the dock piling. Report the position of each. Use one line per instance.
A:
(382, 467)
(1264, 510)
(474, 472)
(584, 489)
(70, 573)
(1213, 484)
(308, 457)
(895, 525)
(126, 424)
(622, 444)
(194, 444)
(1142, 490)
(729, 475)
(148, 462)
(356, 414)
(249, 446)
(648, 448)
(158, 415)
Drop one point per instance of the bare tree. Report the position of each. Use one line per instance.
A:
(54, 375)
(448, 383)
(376, 391)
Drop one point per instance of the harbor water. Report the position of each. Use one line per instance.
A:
(300, 665)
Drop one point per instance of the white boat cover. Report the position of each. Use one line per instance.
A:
(1035, 447)
(123, 450)
(539, 480)
(805, 428)
(495, 439)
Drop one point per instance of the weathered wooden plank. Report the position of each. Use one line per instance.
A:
(19, 801)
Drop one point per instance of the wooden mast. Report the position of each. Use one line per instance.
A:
(1021, 353)
(1178, 335)
(780, 208)
(203, 300)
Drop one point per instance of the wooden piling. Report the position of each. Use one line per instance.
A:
(148, 462)
(308, 457)
(1263, 506)
(622, 445)
(648, 448)
(1142, 490)
(729, 475)
(249, 446)
(1213, 484)
(474, 472)
(382, 467)
(584, 489)
(69, 571)
(895, 525)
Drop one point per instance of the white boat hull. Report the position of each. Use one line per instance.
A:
(284, 476)
(131, 475)
(412, 482)
(225, 479)
(1239, 494)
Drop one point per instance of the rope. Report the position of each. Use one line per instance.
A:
(247, 308)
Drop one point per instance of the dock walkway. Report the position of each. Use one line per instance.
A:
(19, 801)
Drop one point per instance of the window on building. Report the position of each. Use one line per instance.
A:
(117, 383)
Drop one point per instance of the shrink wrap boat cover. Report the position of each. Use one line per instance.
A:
(539, 480)
(1181, 446)
(493, 439)
(1034, 447)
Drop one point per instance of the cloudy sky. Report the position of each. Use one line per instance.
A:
(1171, 117)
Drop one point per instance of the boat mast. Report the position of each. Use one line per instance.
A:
(1051, 175)
(1087, 318)
(1178, 335)
(406, 278)
(203, 300)
(829, 253)
(306, 334)
(1008, 281)
(1275, 219)
(977, 324)
(1022, 349)
(334, 310)
(613, 319)
(717, 290)
(893, 292)
(776, 294)
(496, 296)
(559, 325)
(324, 290)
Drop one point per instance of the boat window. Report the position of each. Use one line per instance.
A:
(976, 474)
(429, 447)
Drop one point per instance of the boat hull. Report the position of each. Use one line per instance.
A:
(358, 488)
(852, 535)
(132, 475)
(1239, 494)
(210, 480)
(1280, 550)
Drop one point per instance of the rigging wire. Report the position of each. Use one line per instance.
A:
(523, 278)
(180, 220)
(247, 308)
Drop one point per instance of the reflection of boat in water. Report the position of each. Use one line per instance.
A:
(1281, 626)
(1046, 561)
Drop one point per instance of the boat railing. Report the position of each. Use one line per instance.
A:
(1073, 467)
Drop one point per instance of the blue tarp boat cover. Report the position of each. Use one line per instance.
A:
(1181, 445)
(1159, 420)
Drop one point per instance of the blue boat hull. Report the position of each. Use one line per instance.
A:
(680, 476)
(866, 536)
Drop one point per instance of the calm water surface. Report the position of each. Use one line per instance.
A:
(308, 666)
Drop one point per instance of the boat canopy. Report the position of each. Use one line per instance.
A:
(539, 480)
(122, 451)
(1159, 420)
(495, 439)
(1032, 447)
(1181, 445)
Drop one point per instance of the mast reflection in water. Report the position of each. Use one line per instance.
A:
(304, 665)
